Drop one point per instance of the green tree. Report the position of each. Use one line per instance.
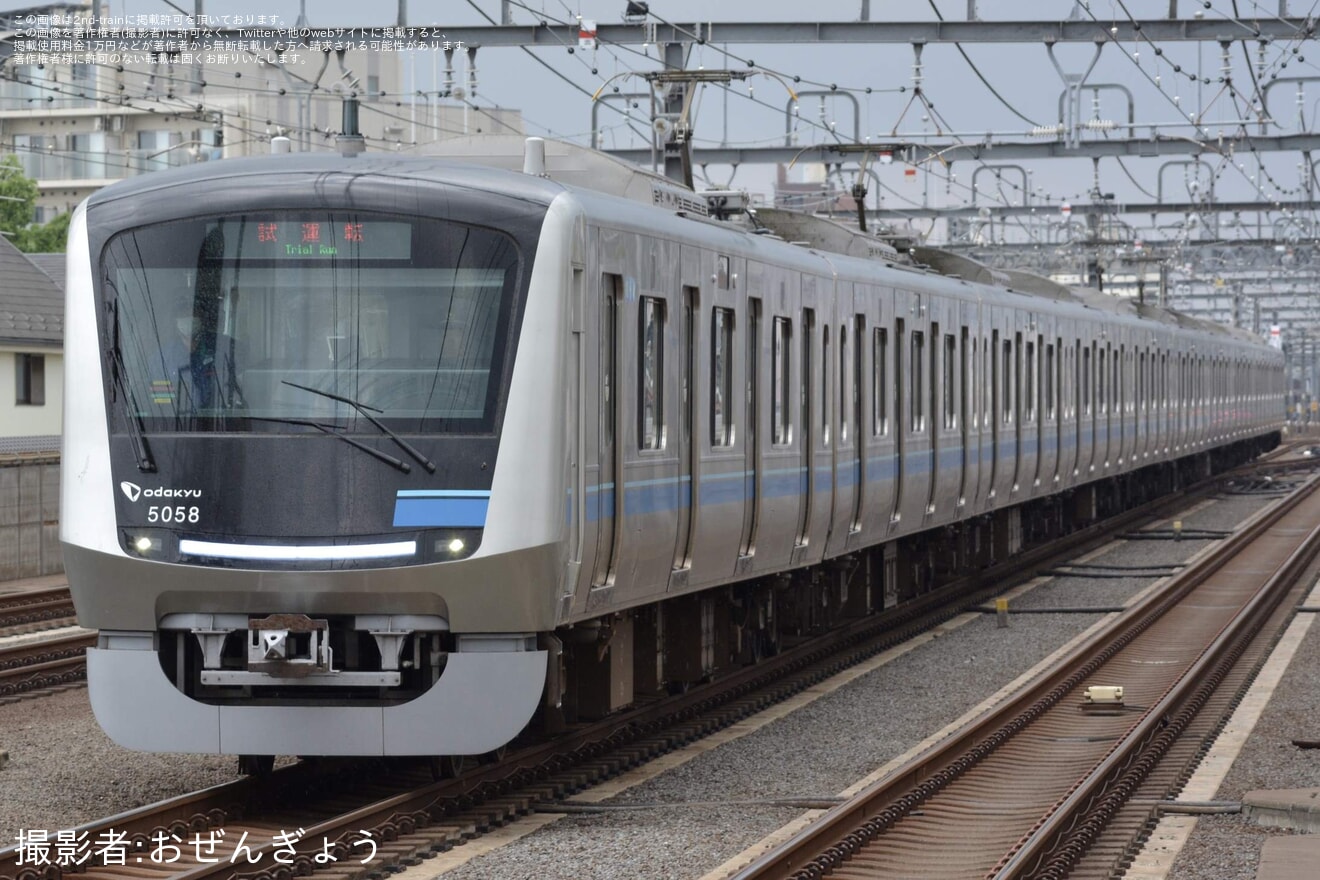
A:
(48, 238)
(18, 198)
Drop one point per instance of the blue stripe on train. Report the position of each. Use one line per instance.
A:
(441, 508)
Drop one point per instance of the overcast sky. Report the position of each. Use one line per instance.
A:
(1023, 75)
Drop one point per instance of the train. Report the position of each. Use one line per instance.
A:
(407, 453)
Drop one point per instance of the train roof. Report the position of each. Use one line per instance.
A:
(496, 163)
(221, 174)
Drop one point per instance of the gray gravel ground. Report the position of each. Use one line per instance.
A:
(63, 770)
(1227, 847)
(850, 733)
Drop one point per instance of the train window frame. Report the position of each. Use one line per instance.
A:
(845, 380)
(1050, 385)
(1101, 386)
(1087, 408)
(916, 375)
(949, 356)
(858, 368)
(826, 420)
(780, 382)
(1029, 382)
(879, 386)
(722, 427)
(651, 320)
(1006, 380)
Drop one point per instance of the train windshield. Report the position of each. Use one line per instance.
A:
(259, 322)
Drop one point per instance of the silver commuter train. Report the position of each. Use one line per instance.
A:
(382, 454)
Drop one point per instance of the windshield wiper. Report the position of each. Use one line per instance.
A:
(362, 408)
(141, 451)
(334, 431)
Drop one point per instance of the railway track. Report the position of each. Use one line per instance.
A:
(43, 664)
(410, 816)
(1045, 786)
(35, 609)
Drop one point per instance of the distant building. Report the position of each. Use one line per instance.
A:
(809, 188)
(31, 355)
(77, 127)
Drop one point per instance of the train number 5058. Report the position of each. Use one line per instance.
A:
(158, 514)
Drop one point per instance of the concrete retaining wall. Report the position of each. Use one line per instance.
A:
(29, 516)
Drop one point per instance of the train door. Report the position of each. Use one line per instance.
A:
(1069, 430)
(846, 463)
(1165, 412)
(966, 357)
(806, 373)
(687, 419)
(1047, 462)
(1086, 408)
(1029, 413)
(1124, 422)
(722, 441)
(923, 352)
(994, 413)
(649, 368)
(818, 353)
(937, 414)
(601, 492)
(879, 506)
(752, 437)
(859, 432)
(781, 497)
(901, 421)
(1101, 456)
(779, 494)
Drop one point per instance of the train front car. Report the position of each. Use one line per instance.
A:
(288, 383)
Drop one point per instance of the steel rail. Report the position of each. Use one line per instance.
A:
(1054, 845)
(845, 829)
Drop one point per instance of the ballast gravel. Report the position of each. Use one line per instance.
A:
(63, 771)
(1228, 847)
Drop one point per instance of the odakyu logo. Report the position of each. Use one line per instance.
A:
(132, 491)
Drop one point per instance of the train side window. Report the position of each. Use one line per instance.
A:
(1086, 381)
(858, 364)
(825, 432)
(917, 392)
(843, 384)
(1006, 379)
(1141, 381)
(879, 385)
(988, 374)
(651, 374)
(1029, 385)
(779, 381)
(950, 402)
(1050, 384)
(721, 378)
(808, 327)
(1101, 386)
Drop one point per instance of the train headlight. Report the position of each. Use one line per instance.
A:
(448, 545)
(144, 544)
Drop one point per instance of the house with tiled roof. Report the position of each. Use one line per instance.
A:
(31, 354)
